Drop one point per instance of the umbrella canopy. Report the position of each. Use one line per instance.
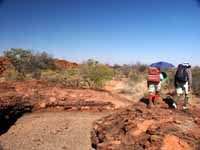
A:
(162, 65)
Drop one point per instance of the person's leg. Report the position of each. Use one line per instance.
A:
(186, 99)
(150, 98)
(176, 99)
(157, 88)
(151, 94)
(179, 92)
(156, 97)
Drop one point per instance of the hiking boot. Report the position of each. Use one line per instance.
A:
(185, 107)
(174, 105)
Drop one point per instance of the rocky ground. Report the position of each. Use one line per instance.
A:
(43, 95)
(17, 98)
(52, 130)
(66, 118)
(139, 128)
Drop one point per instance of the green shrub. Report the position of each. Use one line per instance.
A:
(134, 72)
(14, 75)
(26, 62)
(53, 76)
(95, 74)
(196, 81)
(136, 76)
(20, 59)
(39, 62)
(73, 73)
(70, 78)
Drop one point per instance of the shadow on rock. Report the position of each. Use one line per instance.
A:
(7, 122)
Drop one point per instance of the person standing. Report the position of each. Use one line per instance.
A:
(183, 83)
(154, 80)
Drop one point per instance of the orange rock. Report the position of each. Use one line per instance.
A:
(116, 142)
(42, 104)
(172, 142)
(52, 99)
(142, 127)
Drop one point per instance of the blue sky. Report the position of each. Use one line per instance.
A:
(112, 31)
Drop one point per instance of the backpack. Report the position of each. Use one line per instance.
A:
(153, 75)
(181, 74)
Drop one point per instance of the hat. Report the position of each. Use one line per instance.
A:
(186, 64)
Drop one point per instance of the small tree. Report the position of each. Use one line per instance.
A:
(41, 61)
(95, 73)
(20, 59)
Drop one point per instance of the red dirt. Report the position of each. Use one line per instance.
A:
(129, 127)
(138, 128)
(19, 97)
(51, 130)
(43, 95)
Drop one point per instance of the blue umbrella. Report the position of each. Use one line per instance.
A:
(162, 65)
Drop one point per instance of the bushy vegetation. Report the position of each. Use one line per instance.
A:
(25, 62)
(168, 85)
(70, 77)
(196, 81)
(27, 65)
(135, 73)
(95, 73)
(53, 75)
(20, 59)
(90, 74)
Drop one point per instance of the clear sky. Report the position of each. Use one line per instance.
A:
(112, 31)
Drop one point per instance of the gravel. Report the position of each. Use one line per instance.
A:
(51, 130)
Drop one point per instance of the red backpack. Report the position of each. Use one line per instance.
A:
(153, 75)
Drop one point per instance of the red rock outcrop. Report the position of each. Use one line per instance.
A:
(64, 64)
(139, 128)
